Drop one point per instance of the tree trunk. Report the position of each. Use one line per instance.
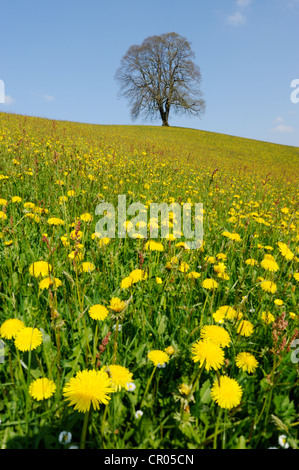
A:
(164, 117)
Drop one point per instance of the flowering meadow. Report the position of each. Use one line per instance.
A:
(140, 343)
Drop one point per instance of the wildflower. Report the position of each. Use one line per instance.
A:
(131, 387)
(269, 264)
(28, 339)
(138, 275)
(117, 304)
(126, 282)
(71, 193)
(296, 277)
(208, 353)
(216, 334)
(159, 280)
(267, 317)
(65, 437)
(87, 267)
(246, 362)
(120, 376)
(98, 312)
(104, 241)
(269, 286)
(62, 199)
(209, 284)
(88, 387)
(10, 328)
(226, 392)
(225, 312)
(245, 328)
(184, 267)
(169, 350)
(173, 260)
(41, 389)
(40, 268)
(138, 414)
(86, 217)
(76, 255)
(185, 389)
(3, 215)
(76, 234)
(193, 275)
(154, 246)
(278, 302)
(282, 441)
(285, 251)
(219, 268)
(15, 199)
(158, 357)
(48, 282)
(55, 221)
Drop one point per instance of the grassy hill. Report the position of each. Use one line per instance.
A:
(133, 342)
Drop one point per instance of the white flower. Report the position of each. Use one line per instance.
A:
(65, 437)
(131, 387)
(282, 441)
(161, 366)
(138, 414)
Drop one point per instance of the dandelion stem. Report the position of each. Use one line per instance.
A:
(148, 384)
(84, 429)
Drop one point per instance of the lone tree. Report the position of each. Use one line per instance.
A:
(159, 75)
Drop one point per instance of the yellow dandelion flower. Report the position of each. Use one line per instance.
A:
(126, 282)
(226, 392)
(16, 199)
(269, 286)
(251, 262)
(3, 216)
(104, 241)
(158, 357)
(169, 350)
(120, 376)
(151, 245)
(219, 268)
(296, 276)
(216, 334)
(87, 267)
(117, 304)
(159, 280)
(10, 328)
(269, 264)
(28, 339)
(55, 221)
(86, 217)
(138, 275)
(267, 317)
(98, 312)
(245, 328)
(246, 361)
(193, 275)
(41, 389)
(185, 389)
(184, 267)
(40, 268)
(285, 251)
(49, 282)
(278, 302)
(209, 284)
(88, 388)
(208, 353)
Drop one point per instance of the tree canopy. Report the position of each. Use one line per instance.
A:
(160, 75)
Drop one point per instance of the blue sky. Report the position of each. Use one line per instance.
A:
(58, 60)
